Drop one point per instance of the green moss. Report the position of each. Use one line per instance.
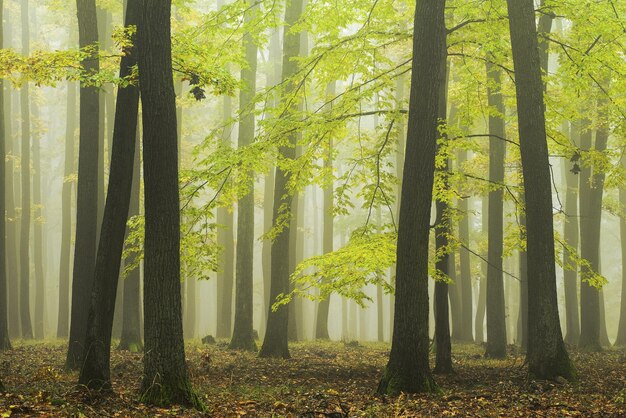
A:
(165, 396)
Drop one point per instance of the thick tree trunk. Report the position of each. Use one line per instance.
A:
(131, 312)
(27, 331)
(570, 276)
(95, 371)
(225, 275)
(546, 354)
(275, 343)
(63, 323)
(87, 191)
(408, 369)
(243, 338)
(5, 343)
(496, 319)
(165, 379)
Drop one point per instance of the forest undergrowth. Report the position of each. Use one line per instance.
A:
(322, 379)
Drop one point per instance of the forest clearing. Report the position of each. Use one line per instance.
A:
(321, 380)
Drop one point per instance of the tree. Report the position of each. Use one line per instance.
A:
(63, 321)
(621, 330)
(27, 331)
(165, 379)
(408, 369)
(95, 370)
(275, 343)
(464, 284)
(5, 343)
(496, 322)
(87, 189)
(131, 311)
(243, 338)
(546, 355)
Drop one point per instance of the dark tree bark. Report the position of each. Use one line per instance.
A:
(546, 354)
(12, 242)
(5, 343)
(496, 316)
(87, 191)
(225, 275)
(275, 343)
(408, 369)
(165, 379)
(27, 331)
(570, 276)
(63, 323)
(243, 338)
(95, 371)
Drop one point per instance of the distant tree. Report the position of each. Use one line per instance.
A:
(275, 343)
(243, 338)
(546, 355)
(496, 320)
(87, 189)
(165, 379)
(5, 343)
(408, 369)
(621, 330)
(63, 321)
(95, 370)
(27, 331)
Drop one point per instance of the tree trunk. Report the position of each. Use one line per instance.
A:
(408, 369)
(5, 343)
(12, 239)
(38, 244)
(95, 371)
(225, 275)
(165, 379)
(570, 279)
(464, 281)
(63, 323)
(621, 330)
(546, 354)
(275, 343)
(243, 338)
(131, 311)
(27, 331)
(496, 316)
(87, 191)
(321, 329)
(481, 305)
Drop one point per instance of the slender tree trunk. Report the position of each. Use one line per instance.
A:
(464, 281)
(63, 322)
(87, 191)
(496, 322)
(243, 338)
(621, 330)
(321, 326)
(12, 238)
(95, 370)
(38, 244)
(570, 279)
(275, 343)
(408, 369)
(165, 379)
(546, 354)
(225, 275)
(27, 331)
(481, 305)
(131, 312)
(5, 343)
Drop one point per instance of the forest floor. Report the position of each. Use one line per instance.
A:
(321, 380)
